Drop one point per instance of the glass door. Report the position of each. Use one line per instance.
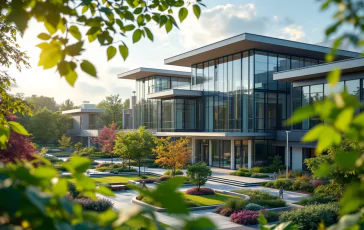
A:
(205, 153)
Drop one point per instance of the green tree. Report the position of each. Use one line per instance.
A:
(113, 107)
(126, 104)
(78, 147)
(43, 126)
(67, 105)
(39, 102)
(198, 174)
(63, 122)
(137, 145)
(64, 142)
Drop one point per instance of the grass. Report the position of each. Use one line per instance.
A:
(136, 224)
(256, 194)
(114, 179)
(207, 200)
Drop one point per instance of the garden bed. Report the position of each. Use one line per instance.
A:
(114, 179)
(195, 202)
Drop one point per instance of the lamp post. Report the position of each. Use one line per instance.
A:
(287, 132)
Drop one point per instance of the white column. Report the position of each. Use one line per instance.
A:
(210, 152)
(296, 159)
(193, 160)
(250, 154)
(88, 142)
(232, 154)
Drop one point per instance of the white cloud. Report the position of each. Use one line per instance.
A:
(294, 32)
(224, 21)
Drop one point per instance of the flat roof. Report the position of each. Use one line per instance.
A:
(75, 111)
(174, 93)
(321, 70)
(143, 72)
(248, 41)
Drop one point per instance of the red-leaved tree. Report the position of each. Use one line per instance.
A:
(106, 139)
(18, 146)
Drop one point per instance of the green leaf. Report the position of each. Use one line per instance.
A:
(71, 77)
(347, 160)
(344, 118)
(38, 198)
(326, 136)
(44, 36)
(17, 127)
(261, 219)
(45, 172)
(137, 35)
(138, 10)
(169, 25)
(111, 51)
(105, 191)
(302, 114)
(75, 32)
(106, 217)
(79, 164)
(182, 14)
(19, 16)
(197, 10)
(200, 223)
(129, 27)
(149, 33)
(124, 51)
(74, 49)
(323, 170)
(89, 68)
(60, 188)
(50, 56)
(359, 119)
(84, 9)
(333, 77)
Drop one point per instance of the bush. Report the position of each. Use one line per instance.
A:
(309, 217)
(191, 203)
(52, 159)
(317, 199)
(247, 217)
(259, 175)
(218, 209)
(286, 183)
(253, 207)
(202, 191)
(257, 195)
(235, 204)
(169, 172)
(329, 189)
(226, 212)
(113, 168)
(302, 185)
(269, 203)
(101, 204)
(318, 182)
(241, 173)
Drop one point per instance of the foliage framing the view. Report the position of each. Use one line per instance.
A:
(70, 24)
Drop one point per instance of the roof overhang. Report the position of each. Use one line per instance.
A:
(142, 72)
(319, 71)
(248, 41)
(77, 111)
(229, 135)
(174, 93)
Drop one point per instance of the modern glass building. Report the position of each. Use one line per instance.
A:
(230, 104)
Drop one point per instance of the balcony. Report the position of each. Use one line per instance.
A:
(185, 91)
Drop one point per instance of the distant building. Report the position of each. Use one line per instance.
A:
(84, 125)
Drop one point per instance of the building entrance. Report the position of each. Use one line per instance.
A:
(241, 154)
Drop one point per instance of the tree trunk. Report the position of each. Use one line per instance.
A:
(139, 168)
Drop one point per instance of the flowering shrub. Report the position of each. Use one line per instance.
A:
(226, 212)
(247, 217)
(318, 182)
(202, 191)
(101, 204)
(218, 209)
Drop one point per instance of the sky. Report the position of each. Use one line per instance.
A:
(298, 20)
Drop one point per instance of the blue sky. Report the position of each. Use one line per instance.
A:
(299, 20)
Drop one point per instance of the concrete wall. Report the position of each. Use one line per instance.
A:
(296, 159)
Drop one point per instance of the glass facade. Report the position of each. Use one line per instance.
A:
(305, 95)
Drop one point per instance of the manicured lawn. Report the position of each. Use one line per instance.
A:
(114, 179)
(137, 224)
(206, 200)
